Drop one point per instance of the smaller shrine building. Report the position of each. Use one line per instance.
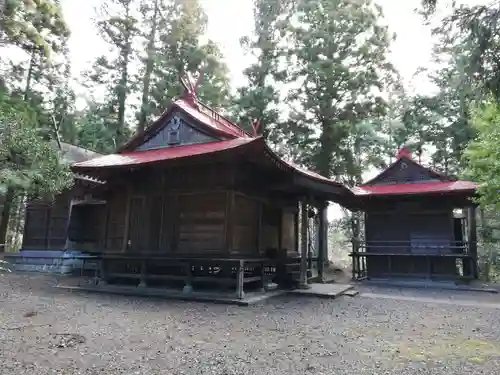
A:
(418, 224)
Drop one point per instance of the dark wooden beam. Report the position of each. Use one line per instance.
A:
(229, 221)
(323, 241)
(303, 244)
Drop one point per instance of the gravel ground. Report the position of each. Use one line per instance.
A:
(44, 330)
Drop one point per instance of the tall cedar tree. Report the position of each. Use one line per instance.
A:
(180, 50)
(476, 28)
(339, 61)
(152, 12)
(259, 99)
(118, 28)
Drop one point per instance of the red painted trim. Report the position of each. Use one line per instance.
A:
(434, 187)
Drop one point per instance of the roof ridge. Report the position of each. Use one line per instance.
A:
(216, 115)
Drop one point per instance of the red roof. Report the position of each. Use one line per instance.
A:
(211, 121)
(434, 187)
(148, 157)
(437, 183)
(152, 156)
(230, 138)
(211, 118)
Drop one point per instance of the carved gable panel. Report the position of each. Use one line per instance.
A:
(404, 172)
(176, 132)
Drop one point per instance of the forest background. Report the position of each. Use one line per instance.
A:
(339, 86)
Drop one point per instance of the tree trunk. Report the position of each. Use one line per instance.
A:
(487, 241)
(4, 221)
(29, 77)
(324, 162)
(149, 70)
(124, 82)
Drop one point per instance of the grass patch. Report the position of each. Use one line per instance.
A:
(473, 350)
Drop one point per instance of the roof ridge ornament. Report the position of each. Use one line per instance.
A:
(404, 153)
(191, 87)
(255, 124)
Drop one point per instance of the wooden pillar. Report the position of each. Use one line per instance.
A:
(142, 281)
(229, 221)
(240, 280)
(67, 245)
(303, 245)
(472, 237)
(356, 261)
(322, 240)
(188, 281)
(102, 278)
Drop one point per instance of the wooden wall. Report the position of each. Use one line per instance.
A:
(194, 210)
(46, 223)
(201, 222)
(115, 220)
(246, 225)
(412, 231)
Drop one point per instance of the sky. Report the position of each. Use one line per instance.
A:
(229, 20)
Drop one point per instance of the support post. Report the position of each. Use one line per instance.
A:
(67, 245)
(142, 281)
(103, 280)
(322, 241)
(188, 282)
(262, 277)
(303, 246)
(356, 261)
(240, 278)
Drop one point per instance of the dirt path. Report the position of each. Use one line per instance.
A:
(44, 330)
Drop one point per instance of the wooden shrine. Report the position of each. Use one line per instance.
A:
(418, 224)
(195, 201)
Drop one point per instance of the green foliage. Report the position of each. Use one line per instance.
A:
(27, 161)
(473, 31)
(259, 99)
(338, 61)
(171, 33)
(117, 26)
(95, 129)
(180, 49)
(33, 25)
(483, 154)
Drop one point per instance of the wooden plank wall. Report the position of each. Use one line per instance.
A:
(246, 219)
(115, 221)
(194, 210)
(201, 222)
(46, 223)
